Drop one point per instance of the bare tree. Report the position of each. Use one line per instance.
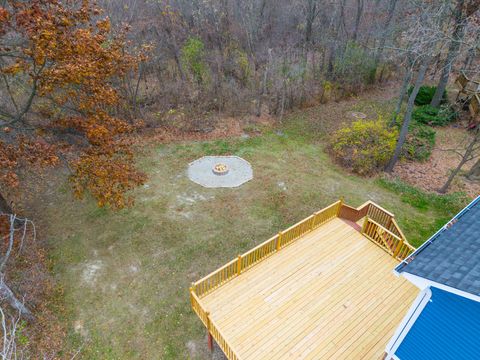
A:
(408, 115)
(468, 154)
(358, 19)
(312, 10)
(463, 10)
(10, 326)
(338, 30)
(407, 77)
(474, 172)
(423, 37)
(472, 47)
(385, 32)
(15, 238)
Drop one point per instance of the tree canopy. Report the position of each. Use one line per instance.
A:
(68, 64)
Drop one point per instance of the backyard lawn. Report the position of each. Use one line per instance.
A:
(125, 275)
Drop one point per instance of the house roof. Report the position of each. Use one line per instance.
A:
(452, 256)
(447, 328)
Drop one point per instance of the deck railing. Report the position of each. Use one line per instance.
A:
(387, 240)
(374, 212)
(211, 326)
(198, 308)
(306, 225)
(258, 253)
(262, 251)
(216, 278)
(220, 339)
(379, 226)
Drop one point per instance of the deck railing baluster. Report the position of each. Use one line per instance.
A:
(386, 239)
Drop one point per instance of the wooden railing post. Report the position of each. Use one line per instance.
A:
(279, 241)
(239, 265)
(315, 218)
(364, 225)
(388, 224)
(398, 248)
(340, 204)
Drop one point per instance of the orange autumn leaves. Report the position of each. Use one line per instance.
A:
(76, 62)
(27, 152)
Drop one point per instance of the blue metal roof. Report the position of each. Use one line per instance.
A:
(448, 328)
(452, 256)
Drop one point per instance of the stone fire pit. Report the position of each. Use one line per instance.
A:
(220, 169)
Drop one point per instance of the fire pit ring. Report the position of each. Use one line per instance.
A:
(358, 115)
(220, 169)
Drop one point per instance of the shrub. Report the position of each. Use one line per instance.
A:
(356, 66)
(365, 146)
(193, 58)
(425, 95)
(419, 143)
(429, 115)
(237, 64)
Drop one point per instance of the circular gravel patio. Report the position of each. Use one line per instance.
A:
(201, 172)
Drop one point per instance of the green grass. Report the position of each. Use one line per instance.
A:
(126, 274)
(441, 207)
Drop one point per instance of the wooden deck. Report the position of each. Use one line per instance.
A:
(329, 295)
(323, 288)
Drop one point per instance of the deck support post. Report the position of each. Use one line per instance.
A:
(210, 338)
(210, 342)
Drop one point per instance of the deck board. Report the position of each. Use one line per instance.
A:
(330, 294)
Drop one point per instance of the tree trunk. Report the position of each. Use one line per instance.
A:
(472, 52)
(311, 15)
(176, 57)
(445, 187)
(263, 86)
(383, 38)
(335, 39)
(453, 50)
(474, 173)
(7, 294)
(408, 116)
(403, 92)
(466, 157)
(261, 92)
(358, 18)
(331, 60)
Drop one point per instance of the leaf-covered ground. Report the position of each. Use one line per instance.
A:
(432, 174)
(126, 274)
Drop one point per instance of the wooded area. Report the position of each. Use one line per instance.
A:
(87, 86)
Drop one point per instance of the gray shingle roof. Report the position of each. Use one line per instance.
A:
(452, 256)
